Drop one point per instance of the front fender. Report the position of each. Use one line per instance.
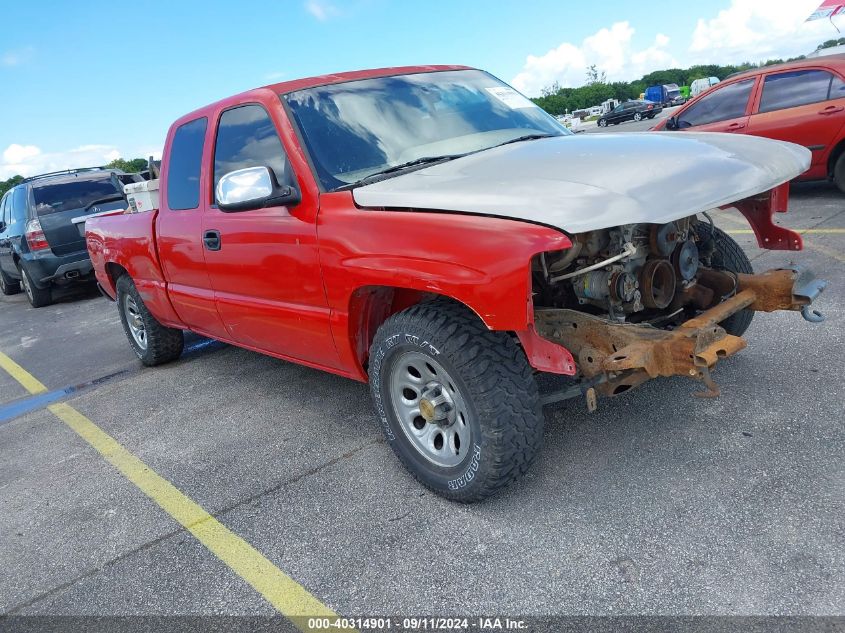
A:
(482, 262)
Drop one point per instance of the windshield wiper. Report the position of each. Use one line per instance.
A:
(424, 160)
(526, 137)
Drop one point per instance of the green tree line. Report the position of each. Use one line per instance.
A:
(557, 100)
(130, 166)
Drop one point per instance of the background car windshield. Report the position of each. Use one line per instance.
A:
(76, 194)
(356, 128)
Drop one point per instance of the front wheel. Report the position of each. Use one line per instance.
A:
(151, 341)
(728, 255)
(38, 297)
(638, 116)
(457, 402)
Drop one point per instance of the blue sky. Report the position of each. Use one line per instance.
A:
(84, 81)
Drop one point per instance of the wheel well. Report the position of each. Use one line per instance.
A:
(115, 271)
(834, 156)
(371, 306)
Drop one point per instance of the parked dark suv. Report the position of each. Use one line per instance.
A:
(40, 246)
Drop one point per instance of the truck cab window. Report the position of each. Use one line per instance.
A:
(246, 137)
(183, 174)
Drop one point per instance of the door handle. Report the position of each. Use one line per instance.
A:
(211, 239)
(831, 109)
(736, 126)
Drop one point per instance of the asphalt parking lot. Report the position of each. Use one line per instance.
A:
(657, 503)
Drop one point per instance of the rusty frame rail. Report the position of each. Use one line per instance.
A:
(624, 355)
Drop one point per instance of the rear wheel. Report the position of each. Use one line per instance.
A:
(839, 172)
(457, 402)
(602, 122)
(7, 286)
(638, 116)
(728, 255)
(152, 342)
(38, 297)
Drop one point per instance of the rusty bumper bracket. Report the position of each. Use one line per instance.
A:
(624, 355)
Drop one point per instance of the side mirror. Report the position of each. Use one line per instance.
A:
(253, 188)
(672, 123)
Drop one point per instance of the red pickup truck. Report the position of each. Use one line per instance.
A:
(429, 230)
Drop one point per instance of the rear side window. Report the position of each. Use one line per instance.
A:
(74, 195)
(183, 174)
(721, 104)
(17, 203)
(246, 137)
(796, 88)
(4, 214)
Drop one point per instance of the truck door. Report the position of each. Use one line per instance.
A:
(179, 231)
(804, 106)
(722, 109)
(263, 263)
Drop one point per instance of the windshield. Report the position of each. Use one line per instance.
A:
(355, 129)
(75, 194)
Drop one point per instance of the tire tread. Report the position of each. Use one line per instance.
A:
(504, 392)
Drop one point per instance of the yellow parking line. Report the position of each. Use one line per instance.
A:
(27, 380)
(280, 590)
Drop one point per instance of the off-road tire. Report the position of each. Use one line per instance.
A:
(495, 382)
(7, 286)
(728, 255)
(164, 344)
(38, 297)
(839, 172)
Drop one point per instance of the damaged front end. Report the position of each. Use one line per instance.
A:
(615, 357)
(635, 302)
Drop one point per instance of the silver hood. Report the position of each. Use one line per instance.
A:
(594, 181)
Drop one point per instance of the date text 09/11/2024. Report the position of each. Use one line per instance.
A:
(430, 623)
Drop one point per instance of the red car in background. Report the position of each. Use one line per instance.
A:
(802, 102)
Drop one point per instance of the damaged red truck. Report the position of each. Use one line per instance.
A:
(431, 231)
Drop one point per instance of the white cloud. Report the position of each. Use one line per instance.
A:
(321, 9)
(609, 49)
(747, 30)
(29, 160)
(755, 30)
(19, 153)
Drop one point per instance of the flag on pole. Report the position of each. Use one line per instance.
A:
(828, 9)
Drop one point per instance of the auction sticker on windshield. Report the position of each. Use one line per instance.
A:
(510, 97)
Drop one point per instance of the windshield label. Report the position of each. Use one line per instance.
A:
(510, 97)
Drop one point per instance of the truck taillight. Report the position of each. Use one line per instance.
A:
(35, 236)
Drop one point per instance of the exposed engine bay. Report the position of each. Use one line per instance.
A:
(633, 273)
(638, 301)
